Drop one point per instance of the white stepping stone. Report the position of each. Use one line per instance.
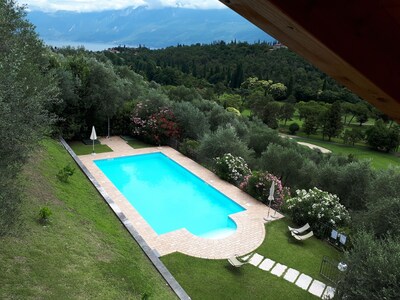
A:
(317, 288)
(329, 293)
(267, 264)
(291, 275)
(256, 259)
(303, 281)
(278, 270)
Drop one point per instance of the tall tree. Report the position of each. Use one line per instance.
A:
(26, 89)
(332, 121)
(286, 112)
(382, 138)
(105, 91)
(374, 269)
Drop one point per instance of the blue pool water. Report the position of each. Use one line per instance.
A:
(169, 197)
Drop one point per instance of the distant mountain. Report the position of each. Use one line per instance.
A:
(154, 28)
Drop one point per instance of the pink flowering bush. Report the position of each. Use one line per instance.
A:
(320, 209)
(231, 168)
(258, 185)
(157, 127)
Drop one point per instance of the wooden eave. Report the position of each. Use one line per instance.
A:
(357, 42)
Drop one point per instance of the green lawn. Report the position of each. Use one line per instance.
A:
(84, 254)
(137, 144)
(216, 279)
(246, 113)
(379, 160)
(82, 149)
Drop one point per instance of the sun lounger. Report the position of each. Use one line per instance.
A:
(234, 261)
(299, 230)
(302, 237)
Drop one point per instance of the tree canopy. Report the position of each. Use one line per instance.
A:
(27, 89)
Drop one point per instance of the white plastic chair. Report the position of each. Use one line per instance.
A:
(302, 237)
(299, 230)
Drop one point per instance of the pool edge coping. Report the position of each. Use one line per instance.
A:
(243, 208)
(250, 231)
(155, 260)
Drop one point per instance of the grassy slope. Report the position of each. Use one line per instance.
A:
(84, 254)
(379, 160)
(216, 279)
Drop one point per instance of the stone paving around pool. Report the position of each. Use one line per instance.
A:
(313, 286)
(250, 231)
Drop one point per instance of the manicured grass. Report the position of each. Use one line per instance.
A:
(82, 149)
(379, 160)
(136, 144)
(295, 119)
(304, 256)
(84, 254)
(216, 279)
(246, 113)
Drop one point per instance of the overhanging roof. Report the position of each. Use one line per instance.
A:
(357, 42)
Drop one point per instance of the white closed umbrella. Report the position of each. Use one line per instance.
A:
(93, 137)
(270, 198)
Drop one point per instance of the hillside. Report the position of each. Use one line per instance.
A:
(85, 252)
(154, 28)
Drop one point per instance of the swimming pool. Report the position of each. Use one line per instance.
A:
(169, 197)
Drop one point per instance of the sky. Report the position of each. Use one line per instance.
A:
(98, 5)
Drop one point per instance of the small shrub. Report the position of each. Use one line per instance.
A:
(223, 140)
(44, 215)
(189, 148)
(231, 168)
(320, 209)
(157, 128)
(145, 296)
(192, 122)
(258, 184)
(293, 128)
(65, 173)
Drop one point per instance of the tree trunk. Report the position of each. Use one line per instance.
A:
(351, 119)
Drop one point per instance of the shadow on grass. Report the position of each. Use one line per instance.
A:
(234, 270)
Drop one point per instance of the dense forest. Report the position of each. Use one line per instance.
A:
(225, 66)
(192, 98)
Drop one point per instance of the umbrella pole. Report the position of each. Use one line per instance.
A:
(93, 147)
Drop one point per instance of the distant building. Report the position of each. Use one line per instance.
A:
(278, 45)
(113, 50)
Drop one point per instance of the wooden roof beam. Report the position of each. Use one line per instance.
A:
(356, 42)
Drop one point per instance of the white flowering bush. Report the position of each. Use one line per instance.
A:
(320, 209)
(231, 168)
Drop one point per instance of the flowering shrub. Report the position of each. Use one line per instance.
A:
(259, 184)
(320, 209)
(231, 168)
(157, 127)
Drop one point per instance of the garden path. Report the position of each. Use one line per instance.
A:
(313, 286)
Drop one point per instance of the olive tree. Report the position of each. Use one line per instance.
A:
(26, 90)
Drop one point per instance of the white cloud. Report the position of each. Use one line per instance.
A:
(98, 5)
